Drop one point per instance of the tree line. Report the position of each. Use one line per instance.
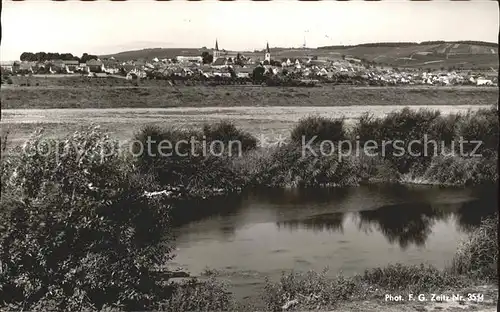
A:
(43, 56)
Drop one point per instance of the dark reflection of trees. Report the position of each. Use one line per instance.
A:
(332, 222)
(470, 214)
(404, 224)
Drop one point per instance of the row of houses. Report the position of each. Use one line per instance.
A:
(54, 66)
(347, 69)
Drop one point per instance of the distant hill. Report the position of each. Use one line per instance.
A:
(429, 54)
(155, 52)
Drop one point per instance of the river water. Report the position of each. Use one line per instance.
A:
(264, 233)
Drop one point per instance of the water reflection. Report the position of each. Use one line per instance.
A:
(405, 223)
(348, 230)
(332, 222)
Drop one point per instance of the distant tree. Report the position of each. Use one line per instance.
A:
(67, 56)
(232, 72)
(27, 56)
(239, 60)
(275, 63)
(258, 74)
(41, 56)
(207, 57)
(266, 62)
(87, 57)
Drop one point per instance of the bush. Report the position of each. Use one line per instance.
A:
(368, 128)
(480, 125)
(194, 295)
(189, 168)
(307, 291)
(227, 132)
(477, 257)
(453, 170)
(321, 127)
(411, 278)
(407, 125)
(77, 231)
(287, 167)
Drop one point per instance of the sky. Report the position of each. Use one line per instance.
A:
(104, 27)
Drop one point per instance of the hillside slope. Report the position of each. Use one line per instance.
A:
(465, 54)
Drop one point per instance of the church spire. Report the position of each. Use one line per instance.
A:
(268, 53)
(216, 45)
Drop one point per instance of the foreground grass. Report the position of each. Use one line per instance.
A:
(475, 263)
(153, 94)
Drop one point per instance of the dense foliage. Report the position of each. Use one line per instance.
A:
(190, 163)
(226, 132)
(320, 128)
(77, 231)
(43, 56)
(442, 133)
(290, 166)
(477, 257)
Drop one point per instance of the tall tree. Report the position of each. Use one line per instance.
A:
(207, 57)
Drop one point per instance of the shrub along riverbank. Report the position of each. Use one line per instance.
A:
(88, 228)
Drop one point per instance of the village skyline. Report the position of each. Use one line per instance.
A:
(242, 26)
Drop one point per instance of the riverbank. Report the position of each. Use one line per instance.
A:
(153, 94)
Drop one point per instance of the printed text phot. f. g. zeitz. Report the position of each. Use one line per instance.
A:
(249, 156)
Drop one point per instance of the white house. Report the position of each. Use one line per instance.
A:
(484, 82)
(195, 59)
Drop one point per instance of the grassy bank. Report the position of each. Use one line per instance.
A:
(152, 94)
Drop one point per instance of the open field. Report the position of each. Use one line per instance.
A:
(122, 123)
(116, 93)
(62, 105)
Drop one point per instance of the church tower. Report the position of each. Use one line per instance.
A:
(216, 51)
(268, 54)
